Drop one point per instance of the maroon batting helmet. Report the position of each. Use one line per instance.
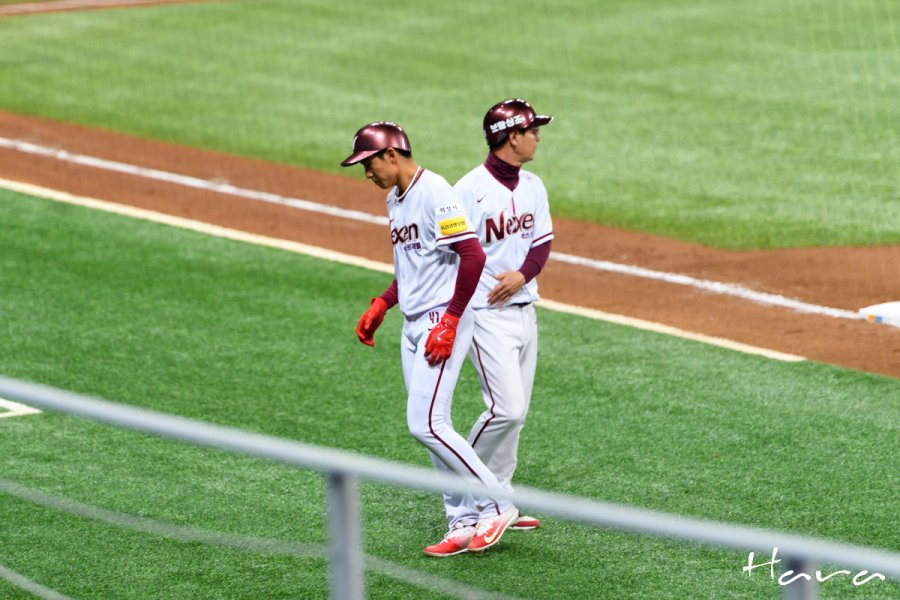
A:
(514, 113)
(375, 137)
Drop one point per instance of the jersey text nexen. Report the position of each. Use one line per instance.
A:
(424, 224)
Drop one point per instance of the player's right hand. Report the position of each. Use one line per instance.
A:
(370, 321)
(507, 285)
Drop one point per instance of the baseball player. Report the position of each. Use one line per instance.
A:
(437, 264)
(509, 209)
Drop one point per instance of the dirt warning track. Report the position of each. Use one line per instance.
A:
(48, 154)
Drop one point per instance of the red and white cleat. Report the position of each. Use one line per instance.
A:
(455, 542)
(491, 530)
(524, 523)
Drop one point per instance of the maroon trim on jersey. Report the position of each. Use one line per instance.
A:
(502, 171)
(490, 393)
(456, 235)
(401, 197)
(537, 241)
(471, 264)
(535, 260)
(438, 438)
(391, 295)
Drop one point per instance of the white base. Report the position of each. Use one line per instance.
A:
(14, 409)
(887, 313)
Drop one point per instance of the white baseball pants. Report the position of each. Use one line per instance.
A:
(504, 352)
(430, 390)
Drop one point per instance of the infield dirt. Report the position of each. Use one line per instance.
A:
(844, 278)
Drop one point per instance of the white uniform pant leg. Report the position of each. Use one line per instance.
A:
(504, 352)
(428, 413)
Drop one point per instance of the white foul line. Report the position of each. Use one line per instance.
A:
(715, 287)
(193, 182)
(14, 409)
(728, 289)
(348, 259)
(198, 226)
(660, 328)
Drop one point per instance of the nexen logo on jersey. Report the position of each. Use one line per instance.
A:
(408, 235)
(502, 226)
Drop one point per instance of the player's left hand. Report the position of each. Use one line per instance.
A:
(508, 284)
(439, 344)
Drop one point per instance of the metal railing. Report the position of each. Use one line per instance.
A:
(800, 554)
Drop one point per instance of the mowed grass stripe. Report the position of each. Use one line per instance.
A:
(331, 255)
(734, 124)
(263, 340)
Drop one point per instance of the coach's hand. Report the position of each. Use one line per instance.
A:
(370, 321)
(439, 344)
(507, 285)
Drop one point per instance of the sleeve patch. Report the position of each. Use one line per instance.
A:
(448, 209)
(453, 225)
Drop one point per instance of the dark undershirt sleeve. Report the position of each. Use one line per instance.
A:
(535, 261)
(390, 295)
(471, 263)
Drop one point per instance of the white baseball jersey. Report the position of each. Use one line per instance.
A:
(425, 220)
(508, 223)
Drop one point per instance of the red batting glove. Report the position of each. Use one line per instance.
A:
(370, 321)
(439, 344)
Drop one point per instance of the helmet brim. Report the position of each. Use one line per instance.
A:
(541, 120)
(358, 157)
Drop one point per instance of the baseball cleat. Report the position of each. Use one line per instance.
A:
(455, 542)
(525, 524)
(491, 530)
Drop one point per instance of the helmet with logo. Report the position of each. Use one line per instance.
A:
(514, 113)
(375, 137)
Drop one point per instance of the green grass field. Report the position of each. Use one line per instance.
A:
(734, 124)
(741, 125)
(263, 340)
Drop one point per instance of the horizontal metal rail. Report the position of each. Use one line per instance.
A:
(791, 547)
